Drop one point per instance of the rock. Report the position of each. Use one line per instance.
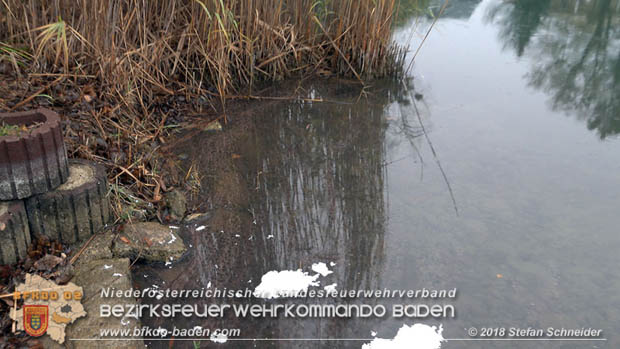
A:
(65, 274)
(99, 248)
(47, 262)
(177, 203)
(149, 241)
(92, 276)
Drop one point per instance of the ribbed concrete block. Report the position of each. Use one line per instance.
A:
(74, 211)
(35, 161)
(14, 232)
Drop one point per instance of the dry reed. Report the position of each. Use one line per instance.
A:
(131, 55)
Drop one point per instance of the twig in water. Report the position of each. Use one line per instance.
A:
(430, 144)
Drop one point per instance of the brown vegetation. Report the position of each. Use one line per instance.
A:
(124, 73)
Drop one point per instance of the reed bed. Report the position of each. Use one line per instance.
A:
(131, 60)
(134, 47)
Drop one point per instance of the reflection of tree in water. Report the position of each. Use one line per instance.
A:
(460, 9)
(576, 46)
(312, 176)
(321, 188)
(320, 195)
(519, 21)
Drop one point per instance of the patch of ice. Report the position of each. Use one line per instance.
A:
(321, 268)
(117, 274)
(418, 336)
(330, 288)
(105, 267)
(286, 283)
(202, 227)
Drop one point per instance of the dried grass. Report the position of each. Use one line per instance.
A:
(133, 56)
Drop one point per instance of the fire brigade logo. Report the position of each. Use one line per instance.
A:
(36, 319)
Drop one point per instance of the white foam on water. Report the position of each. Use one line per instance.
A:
(172, 238)
(330, 288)
(276, 284)
(321, 268)
(219, 338)
(418, 336)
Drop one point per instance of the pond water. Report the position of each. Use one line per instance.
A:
(494, 170)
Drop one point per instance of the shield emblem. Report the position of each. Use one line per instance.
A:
(36, 319)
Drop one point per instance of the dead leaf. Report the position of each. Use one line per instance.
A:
(499, 276)
(2, 226)
(213, 126)
(125, 240)
(156, 193)
(236, 156)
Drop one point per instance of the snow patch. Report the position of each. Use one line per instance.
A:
(418, 336)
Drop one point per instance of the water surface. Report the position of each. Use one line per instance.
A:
(512, 198)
